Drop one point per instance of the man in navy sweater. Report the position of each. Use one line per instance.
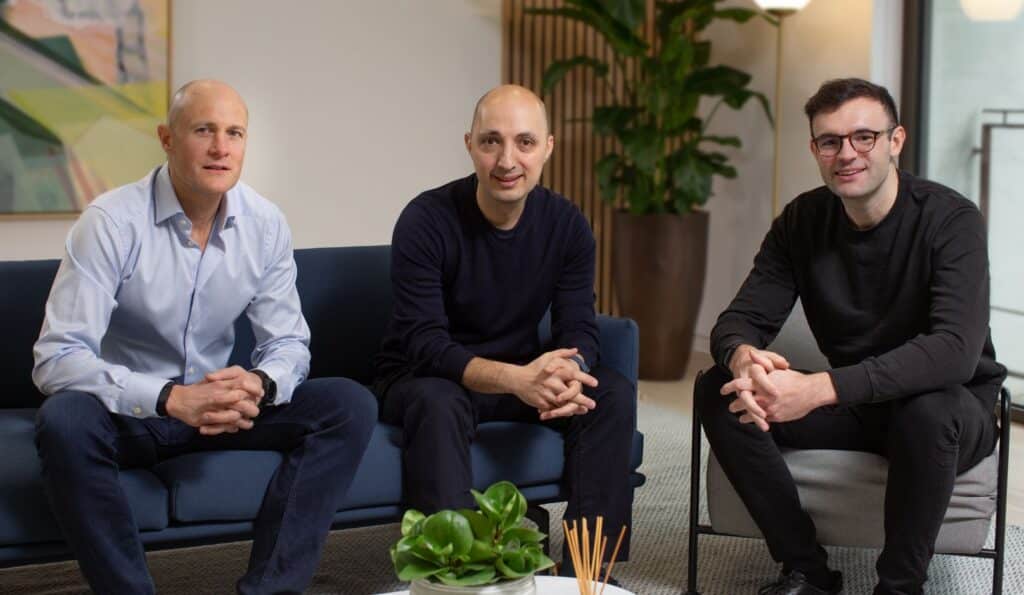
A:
(475, 265)
(892, 271)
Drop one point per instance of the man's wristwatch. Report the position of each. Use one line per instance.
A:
(269, 388)
(581, 362)
(161, 399)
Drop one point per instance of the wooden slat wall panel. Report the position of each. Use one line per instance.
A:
(530, 43)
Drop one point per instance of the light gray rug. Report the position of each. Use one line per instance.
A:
(356, 561)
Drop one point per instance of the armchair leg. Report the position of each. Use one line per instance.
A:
(1004, 467)
(695, 447)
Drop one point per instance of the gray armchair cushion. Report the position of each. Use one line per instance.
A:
(844, 492)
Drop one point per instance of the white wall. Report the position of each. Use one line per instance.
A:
(827, 39)
(355, 106)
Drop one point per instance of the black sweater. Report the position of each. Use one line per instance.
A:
(899, 309)
(463, 288)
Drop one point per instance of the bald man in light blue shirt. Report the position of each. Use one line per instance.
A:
(139, 327)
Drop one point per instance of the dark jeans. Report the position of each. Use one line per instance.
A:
(928, 439)
(322, 433)
(439, 420)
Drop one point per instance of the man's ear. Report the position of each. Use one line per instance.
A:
(896, 141)
(163, 131)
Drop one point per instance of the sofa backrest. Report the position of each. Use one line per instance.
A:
(24, 286)
(345, 293)
(346, 298)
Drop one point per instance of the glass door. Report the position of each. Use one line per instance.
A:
(972, 139)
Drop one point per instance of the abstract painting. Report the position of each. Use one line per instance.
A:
(83, 86)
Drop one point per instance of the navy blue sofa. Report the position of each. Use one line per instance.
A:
(213, 497)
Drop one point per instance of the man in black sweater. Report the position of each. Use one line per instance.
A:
(892, 271)
(475, 265)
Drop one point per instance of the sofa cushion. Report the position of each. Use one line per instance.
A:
(24, 510)
(525, 454)
(197, 481)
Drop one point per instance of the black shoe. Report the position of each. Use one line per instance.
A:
(796, 583)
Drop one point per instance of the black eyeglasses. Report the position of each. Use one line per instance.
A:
(862, 141)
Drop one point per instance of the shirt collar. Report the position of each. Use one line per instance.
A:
(167, 204)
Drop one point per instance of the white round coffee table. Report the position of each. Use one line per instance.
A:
(555, 585)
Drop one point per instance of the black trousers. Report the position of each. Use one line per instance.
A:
(928, 439)
(322, 432)
(439, 419)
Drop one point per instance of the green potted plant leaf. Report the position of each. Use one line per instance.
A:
(666, 158)
(479, 552)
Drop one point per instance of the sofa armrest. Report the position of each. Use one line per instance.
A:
(620, 345)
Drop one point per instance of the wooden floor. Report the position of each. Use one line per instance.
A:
(679, 394)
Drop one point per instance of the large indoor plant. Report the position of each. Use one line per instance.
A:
(471, 551)
(661, 173)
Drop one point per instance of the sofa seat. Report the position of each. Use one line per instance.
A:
(502, 450)
(24, 511)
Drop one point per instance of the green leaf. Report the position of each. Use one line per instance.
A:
(506, 502)
(613, 119)
(412, 522)
(523, 535)
(618, 34)
(513, 564)
(482, 550)
(483, 576)
(488, 507)
(701, 53)
(679, 114)
(474, 579)
(410, 568)
(740, 15)
(717, 80)
(642, 145)
(630, 12)
(691, 180)
(448, 529)
(483, 527)
(640, 195)
(557, 70)
(606, 169)
(538, 561)
(418, 547)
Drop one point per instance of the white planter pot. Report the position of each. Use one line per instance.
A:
(523, 586)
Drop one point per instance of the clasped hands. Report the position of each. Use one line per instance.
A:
(553, 385)
(226, 400)
(768, 391)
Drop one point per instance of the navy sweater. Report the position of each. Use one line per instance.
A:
(899, 309)
(463, 288)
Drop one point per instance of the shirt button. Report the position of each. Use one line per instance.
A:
(191, 370)
(137, 410)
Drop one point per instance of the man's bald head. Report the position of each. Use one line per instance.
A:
(205, 89)
(508, 93)
(204, 139)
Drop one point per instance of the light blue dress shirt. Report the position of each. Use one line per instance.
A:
(136, 303)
